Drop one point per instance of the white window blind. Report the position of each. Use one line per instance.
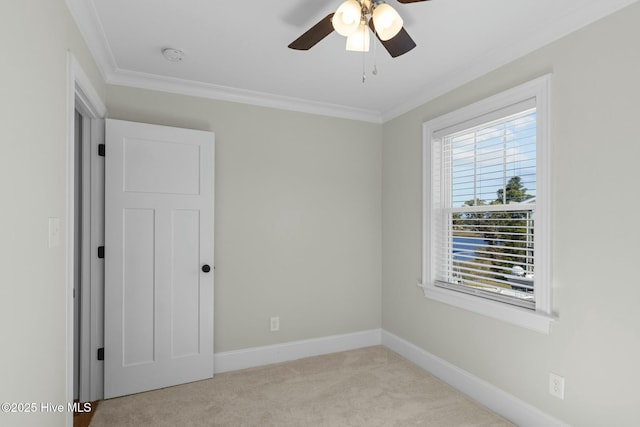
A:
(484, 188)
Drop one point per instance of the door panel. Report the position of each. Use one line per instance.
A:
(138, 286)
(185, 312)
(158, 234)
(147, 162)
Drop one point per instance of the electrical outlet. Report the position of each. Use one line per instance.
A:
(556, 386)
(274, 324)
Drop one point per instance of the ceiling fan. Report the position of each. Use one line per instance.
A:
(351, 20)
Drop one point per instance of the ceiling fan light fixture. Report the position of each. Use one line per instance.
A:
(387, 21)
(347, 18)
(359, 41)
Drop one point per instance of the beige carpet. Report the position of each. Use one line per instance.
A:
(366, 387)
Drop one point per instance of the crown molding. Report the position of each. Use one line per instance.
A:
(86, 18)
(477, 67)
(223, 93)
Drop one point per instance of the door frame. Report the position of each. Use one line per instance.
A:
(81, 95)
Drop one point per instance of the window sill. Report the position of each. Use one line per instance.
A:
(534, 320)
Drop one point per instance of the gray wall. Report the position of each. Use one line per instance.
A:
(33, 166)
(300, 204)
(298, 227)
(595, 344)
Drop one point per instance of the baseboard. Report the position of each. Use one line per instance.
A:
(499, 401)
(503, 403)
(259, 356)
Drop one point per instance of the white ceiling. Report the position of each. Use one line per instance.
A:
(237, 50)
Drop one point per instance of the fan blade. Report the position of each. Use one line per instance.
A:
(410, 1)
(400, 44)
(316, 33)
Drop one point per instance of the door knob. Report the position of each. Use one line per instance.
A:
(206, 268)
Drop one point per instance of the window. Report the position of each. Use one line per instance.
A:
(486, 233)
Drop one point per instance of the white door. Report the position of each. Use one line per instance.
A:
(158, 257)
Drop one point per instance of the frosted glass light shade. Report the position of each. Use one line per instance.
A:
(387, 21)
(347, 18)
(359, 41)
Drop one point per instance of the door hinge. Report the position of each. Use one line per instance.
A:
(100, 252)
(101, 150)
(101, 353)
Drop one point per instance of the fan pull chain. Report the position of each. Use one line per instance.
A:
(364, 56)
(375, 57)
(364, 73)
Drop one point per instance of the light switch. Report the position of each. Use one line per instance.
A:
(54, 232)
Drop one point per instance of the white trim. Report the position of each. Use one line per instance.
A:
(85, 91)
(485, 393)
(79, 89)
(97, 265)
(90, 27)
(503, 55)
(224, 93)
(537, 87)
(499, 401)
(92, 284)
(259, 356)
(541, 319)
(70, 217)
(86, 18)
(526, 318)
(84, 297)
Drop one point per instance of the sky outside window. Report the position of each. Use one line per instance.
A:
(484, 158)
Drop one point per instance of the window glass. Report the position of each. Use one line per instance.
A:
(486, 242)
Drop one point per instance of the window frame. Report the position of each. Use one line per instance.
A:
(541, 318)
